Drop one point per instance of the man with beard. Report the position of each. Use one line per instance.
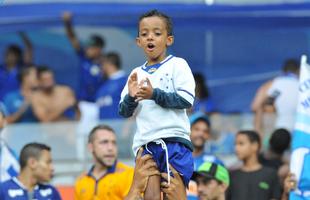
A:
(53, 102)
(108, 178)
(108, 95)
(36, 170)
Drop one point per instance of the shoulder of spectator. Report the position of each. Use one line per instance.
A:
(121, 167)
(81, 176)
(64, 89)
(261, 95)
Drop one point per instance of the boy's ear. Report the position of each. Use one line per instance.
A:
(170, 40)
(138, 41)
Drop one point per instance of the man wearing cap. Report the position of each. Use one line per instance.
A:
(212, 181)
(89, 58)
(200, 133)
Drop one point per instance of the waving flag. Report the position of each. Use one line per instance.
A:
(9, 166)
(300, 160)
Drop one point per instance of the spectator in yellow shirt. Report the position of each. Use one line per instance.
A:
(108, 178)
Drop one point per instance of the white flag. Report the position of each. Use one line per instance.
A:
(300, 160)
(9, 165)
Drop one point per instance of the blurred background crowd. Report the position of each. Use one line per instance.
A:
(64, 65)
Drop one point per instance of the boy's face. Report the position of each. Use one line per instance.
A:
(244, 148)
(153, 38)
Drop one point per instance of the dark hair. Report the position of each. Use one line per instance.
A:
(202, 89)
(252, 136)
(95, 129)
(156, 13)
(280, 141)
(97, 41)
(24, 72)
(31, 150)
(202, 119)
(114, 59)
(43, 69)
(291, 65)
(15, 49)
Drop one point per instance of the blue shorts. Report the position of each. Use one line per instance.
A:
(180, 158)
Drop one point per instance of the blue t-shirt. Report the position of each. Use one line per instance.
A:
(203, 105)
(204, 157)
(8, 81)
(14, 190)
(109, 94)
(90, 78)
(13, 102)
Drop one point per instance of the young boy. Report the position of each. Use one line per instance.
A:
(158, 93)
(253, 181)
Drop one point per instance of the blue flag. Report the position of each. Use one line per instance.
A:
(9, 165)
(300, 159)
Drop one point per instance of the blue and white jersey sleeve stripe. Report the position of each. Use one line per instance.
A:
(184, 82)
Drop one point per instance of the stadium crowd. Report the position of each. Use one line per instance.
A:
(29, 93)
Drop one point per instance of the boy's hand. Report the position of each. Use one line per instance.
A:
(145, 90)
(133, 85)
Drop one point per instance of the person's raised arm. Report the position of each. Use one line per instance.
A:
(176, 188)
(67, 18)
(28, 52)
(145, 167)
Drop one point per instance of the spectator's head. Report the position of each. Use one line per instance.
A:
(36, 159)
(247, 144)
(201, 90)
(46, 78)
(111, 63)
(291, 66)
(212, 181)
(280, 141)
(102, 144)
(155, 34)
(28, 78)
(13, 55)
(95, 45)
(200, 130)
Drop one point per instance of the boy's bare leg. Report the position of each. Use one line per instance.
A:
(152, 191)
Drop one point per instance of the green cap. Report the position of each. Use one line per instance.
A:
(213, 171)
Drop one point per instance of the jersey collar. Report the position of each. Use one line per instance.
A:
(153, 68)
(109, 171)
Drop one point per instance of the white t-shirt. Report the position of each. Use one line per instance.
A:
(286, 101)
(172, 75)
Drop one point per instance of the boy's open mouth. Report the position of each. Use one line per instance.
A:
(150, 46)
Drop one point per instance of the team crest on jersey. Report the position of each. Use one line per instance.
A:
(152, 70)
(14, 193)
(46, 192)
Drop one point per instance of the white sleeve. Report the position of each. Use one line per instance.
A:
(183, 79)
(273, 88)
